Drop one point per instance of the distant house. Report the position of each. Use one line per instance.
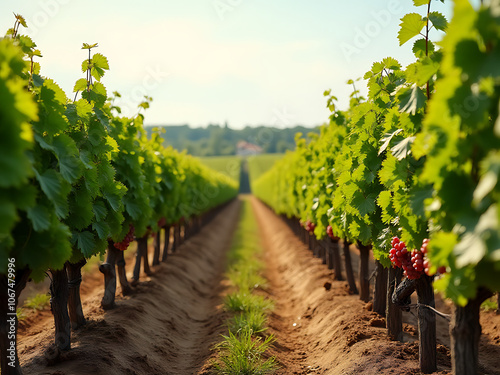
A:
(246, 149)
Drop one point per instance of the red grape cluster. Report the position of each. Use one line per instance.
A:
(411, 263)
(427, 262)
(309, 226)
(329, 232)
(129, 237)
(162, 222)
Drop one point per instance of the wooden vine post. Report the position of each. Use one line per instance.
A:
(157, 248)
(348, 267)
(426, 317)
(166, 243)
(334, 258)
(394, 318)
(364, 278)
(380, 290)
(426, 325)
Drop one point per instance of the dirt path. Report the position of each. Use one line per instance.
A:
(321, 329)
(166, 327)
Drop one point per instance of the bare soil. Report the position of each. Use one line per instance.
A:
(174, 317)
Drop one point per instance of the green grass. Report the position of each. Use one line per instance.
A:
(243, 354)
(228, 165)
(242, 351)
(247, 277)
(21, 314)
(490, 304)
(259, 164)
(253, 320)
(38, 302)
(245, 301)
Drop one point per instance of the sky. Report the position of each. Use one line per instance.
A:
(244, 62)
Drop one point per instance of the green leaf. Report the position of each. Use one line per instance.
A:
(485, 186)
(418, 3)
(85, 242)
(411, 25)
(89, 46)
(86, 158)
(457, 286)
(438, 20)
(418, 199)
(419, 48)
(21, 19)
(387, 139)
(100, 210)
(470, 250)
(8, 216)
(40, 217)
(70, 165)
(102, 229)
(100, 61)
(37, 80)
(50, 183)
(362, 204)
(411, 99)
(403, 148)
(80, 85)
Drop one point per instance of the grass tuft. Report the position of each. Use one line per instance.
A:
(243, 354)
(255, 321)
(38, 302)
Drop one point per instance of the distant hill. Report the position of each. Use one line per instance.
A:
(216, 140)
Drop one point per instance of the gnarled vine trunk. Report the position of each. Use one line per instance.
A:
(142, 254)
(465, 331)
(59, 305)
(108, 269)
(120, 265)
(76, 316)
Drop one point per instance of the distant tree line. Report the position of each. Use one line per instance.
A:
(221, 140)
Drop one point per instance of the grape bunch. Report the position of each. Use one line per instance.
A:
(329, 232)
(162, 222)
(427, 262)
(309, 226)
(129, 237)
(410, 262)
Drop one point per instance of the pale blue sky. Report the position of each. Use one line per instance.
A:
(247, 62)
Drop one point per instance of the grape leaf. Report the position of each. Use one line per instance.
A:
(438, 20)
(85, 241)
(403, 148)
(40, 217)
(411, 99)
(411, 25)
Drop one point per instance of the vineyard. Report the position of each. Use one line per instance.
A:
(373, 247)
